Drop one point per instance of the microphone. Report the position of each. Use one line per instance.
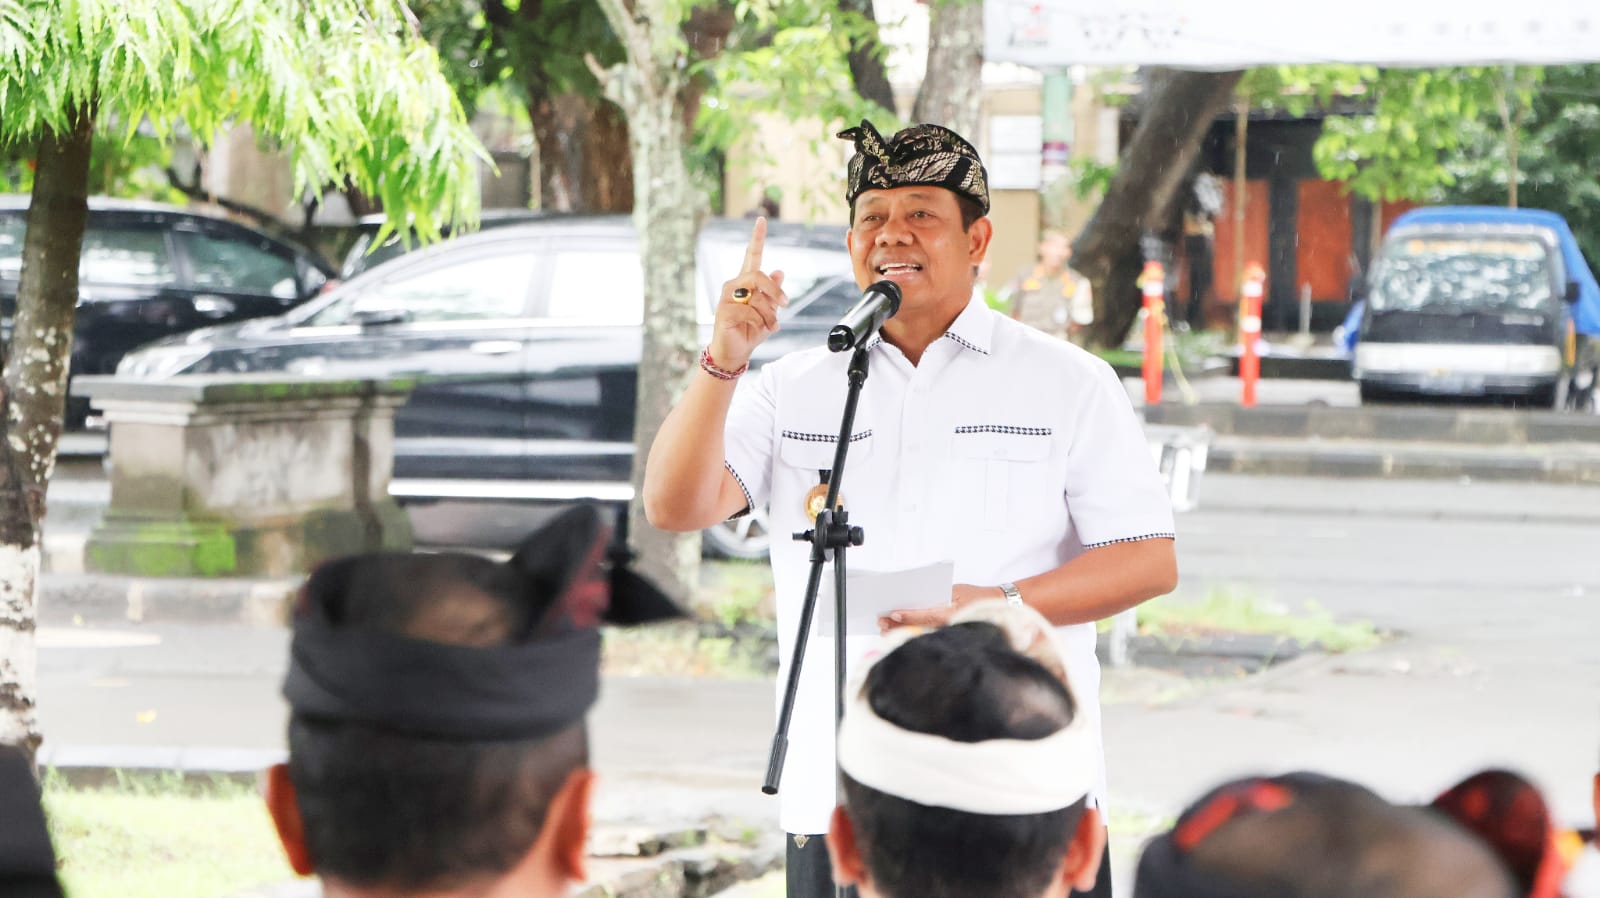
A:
(877, 305)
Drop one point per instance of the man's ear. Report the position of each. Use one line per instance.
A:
(284, 806)
(978, 237)
(564, 840)
(1084, 849)
(848, 867)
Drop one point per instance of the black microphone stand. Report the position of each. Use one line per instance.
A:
(831, 533)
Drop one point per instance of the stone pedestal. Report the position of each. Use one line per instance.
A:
(245, 475)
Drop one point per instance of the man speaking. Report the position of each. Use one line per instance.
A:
(978, 441)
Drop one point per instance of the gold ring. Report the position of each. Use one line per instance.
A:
(741, 294)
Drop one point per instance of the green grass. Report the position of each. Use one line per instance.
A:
(160, 836)
(1226, 611)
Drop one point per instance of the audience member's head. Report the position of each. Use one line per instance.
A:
(1306, 836)
(1055, 248)
(436, 736)
(1509, 814)
(27, 862)
(966, 774)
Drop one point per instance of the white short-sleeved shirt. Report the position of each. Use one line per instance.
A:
(1005, 451)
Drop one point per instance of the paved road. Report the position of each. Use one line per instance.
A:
(1494, 587)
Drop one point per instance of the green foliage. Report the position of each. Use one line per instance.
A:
(787, 60)
(150, 835)
(1226, 611)
(1090, 178)
(126, 167)
(1558, 141)
(345, 85)
(1396, 152)
(1297, 89)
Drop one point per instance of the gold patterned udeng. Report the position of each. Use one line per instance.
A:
(920, 154)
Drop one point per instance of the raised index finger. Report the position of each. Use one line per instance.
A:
(758, 241)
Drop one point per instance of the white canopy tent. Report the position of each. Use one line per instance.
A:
(1230, 34)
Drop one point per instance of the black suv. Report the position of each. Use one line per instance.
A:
(536, 330)
(149, 270)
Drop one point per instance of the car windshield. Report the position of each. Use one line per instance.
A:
(802, 266)
(1464, 273)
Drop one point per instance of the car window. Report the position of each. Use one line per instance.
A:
(597, 285)
(828, 303)
(237, 266)
(362, 257)
(802, 266)
(12, 229)
(477, 288)
(127, 256)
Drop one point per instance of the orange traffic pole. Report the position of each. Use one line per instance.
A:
(1250, 332)
(1153, 281)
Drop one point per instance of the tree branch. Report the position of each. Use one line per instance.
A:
(195, 192)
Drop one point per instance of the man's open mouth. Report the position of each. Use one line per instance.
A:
(894, 268)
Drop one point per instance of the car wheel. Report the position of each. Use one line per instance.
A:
(1375, 395)
(746, 537)
(1547, 397)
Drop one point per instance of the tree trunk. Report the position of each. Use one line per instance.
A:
(1179, 109)
(667, 209)
(583, 154)
(952, 89)
(33, 398)
(867, 70)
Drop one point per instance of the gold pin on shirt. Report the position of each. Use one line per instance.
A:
(816, 500)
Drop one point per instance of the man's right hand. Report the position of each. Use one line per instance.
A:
(747, 313)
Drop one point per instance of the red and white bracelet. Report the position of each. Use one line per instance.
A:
(710, 367)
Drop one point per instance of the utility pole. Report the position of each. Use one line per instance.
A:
(1057, 128)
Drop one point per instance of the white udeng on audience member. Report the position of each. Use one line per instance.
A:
(997, 776)
(870, 595)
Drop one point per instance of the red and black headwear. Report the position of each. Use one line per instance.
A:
(574, 578)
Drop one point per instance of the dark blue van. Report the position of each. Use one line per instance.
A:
(1478, 301)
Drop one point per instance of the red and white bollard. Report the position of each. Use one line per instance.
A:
(1250, 332)
(1153, 282)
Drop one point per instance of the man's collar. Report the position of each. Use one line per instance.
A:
(973, 329)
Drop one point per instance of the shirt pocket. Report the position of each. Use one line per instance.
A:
(804, 454)
(998, 468)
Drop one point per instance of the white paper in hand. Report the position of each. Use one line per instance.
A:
(873, 594)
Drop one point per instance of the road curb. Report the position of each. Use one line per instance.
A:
(68, 598)
(1471, 426)
(1545, 463)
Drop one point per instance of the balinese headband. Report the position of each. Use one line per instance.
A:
(522, 690)
(919, 155)
(992, 777)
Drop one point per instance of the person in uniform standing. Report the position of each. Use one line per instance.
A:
(1050, 296)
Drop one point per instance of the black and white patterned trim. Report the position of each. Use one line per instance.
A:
(1005, 428)
(1132, 539)
(749, 503)
(968, 344)
(823, 437)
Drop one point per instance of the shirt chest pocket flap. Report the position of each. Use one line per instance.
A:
(812, 452)
(999, 469)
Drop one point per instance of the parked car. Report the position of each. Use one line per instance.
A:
(541, 324)
(1468, 301)
(363, 255)
(149, 270)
